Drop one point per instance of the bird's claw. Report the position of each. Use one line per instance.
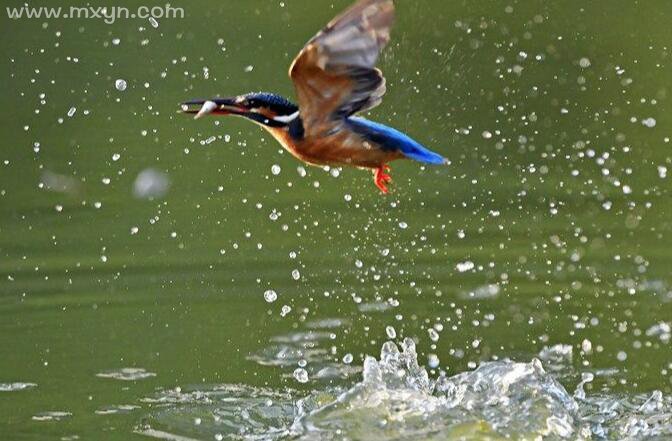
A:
(380, 178)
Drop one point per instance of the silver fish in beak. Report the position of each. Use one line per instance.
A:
(207, 107)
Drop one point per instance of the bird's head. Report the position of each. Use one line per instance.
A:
(263, 108)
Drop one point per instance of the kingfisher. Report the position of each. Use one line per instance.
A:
(335, 78)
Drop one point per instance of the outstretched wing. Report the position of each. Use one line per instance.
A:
(335, 74)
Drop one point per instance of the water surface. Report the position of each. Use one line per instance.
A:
(137, 245)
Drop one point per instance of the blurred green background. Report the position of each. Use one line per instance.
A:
(556, 117)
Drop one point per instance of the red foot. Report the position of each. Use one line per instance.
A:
(380, 178)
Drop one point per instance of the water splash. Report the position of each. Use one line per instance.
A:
(396, 399)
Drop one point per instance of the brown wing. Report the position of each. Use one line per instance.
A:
(334, 74)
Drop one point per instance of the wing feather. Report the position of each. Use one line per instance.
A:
(334, 74)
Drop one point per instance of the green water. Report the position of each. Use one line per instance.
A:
(556, 117)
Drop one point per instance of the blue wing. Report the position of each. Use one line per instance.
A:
(390, 139)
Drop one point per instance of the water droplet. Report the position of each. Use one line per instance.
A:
(275, 169)
(301, 375)
(151, 183)
(586, 346)
(464, 266)
(649, 122)
(120, 85)
(270, 296)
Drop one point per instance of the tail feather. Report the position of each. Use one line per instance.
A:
(421, 154)
(388, 138)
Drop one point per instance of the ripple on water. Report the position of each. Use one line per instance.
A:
(308, 336)
(482, 292)
(282, 355)
(52, 415)
(11, 387)
(126, 374)
(327, 323)
(221, 412)
(396, 399)
(374, 307)
(117, 409)
(303, 349)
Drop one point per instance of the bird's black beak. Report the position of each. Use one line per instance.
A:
(217, 106)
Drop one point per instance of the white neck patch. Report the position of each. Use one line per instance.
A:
(286, 119)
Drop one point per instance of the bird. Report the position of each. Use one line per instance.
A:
(335, 78)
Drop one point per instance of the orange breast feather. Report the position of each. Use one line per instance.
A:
(341, 148)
